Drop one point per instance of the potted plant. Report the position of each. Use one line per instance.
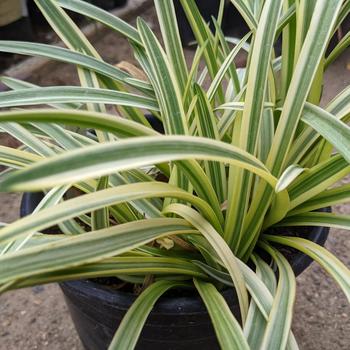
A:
(209, 211)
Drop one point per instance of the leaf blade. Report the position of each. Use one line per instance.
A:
(128, 154)
(131, 326)
(228, 330)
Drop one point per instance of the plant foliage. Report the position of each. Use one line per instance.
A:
(244, 150)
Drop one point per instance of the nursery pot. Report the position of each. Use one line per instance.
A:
(175, 323)
(178, 321)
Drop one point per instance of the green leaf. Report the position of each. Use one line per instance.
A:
(166, 88)
(288, 176)
(86, 248)
(98, 160)
(16, 158)
(261, 295)
(246, 13)
(254, 100)
(322, 22)
(226, 52)
(221, 248)
(225, 67)
(317, 179)
(227, 119)
(60, 94)
(309, 184)
(120, 126)
(325, 199)
(288, 16)
(239, 106)
(100, 217)
(345, 10)
(65, 28)
(339, 107)
(118, 266)
(280, 318)
(74, 38)
(64, 55)
(317, 219)
(63, 138)
(170, 33)
(49, 200)
(193, 71)
(279, 208)
(227, 329)
(336, 269)
(288, 49)
(146, 208)
(131, 326)
(254, 328)
(304, 12)
(207, 127)
(201, 34)
(343, 44)
(98, 14)
(267, 131)
(333, 130)
(16, 84)
(256, 288)
(98, 200)
(25, 137)
(258, 74)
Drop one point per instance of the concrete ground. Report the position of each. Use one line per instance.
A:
(37, 318)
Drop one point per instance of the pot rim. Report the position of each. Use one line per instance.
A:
(121, 300)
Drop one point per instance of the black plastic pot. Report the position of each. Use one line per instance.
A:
(175, 323)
